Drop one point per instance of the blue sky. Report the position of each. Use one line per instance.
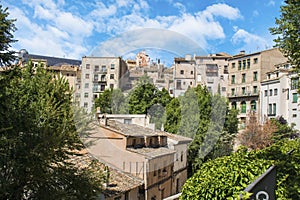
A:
(75, 28)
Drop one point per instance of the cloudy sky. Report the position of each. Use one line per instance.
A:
(74, 28)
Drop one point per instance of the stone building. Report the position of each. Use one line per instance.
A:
(156, 157)
(98, 74)
(246, 71)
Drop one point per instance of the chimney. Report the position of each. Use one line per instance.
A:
(242, 52)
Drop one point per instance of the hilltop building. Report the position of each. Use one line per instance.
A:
(246, 71)
(99, 74)
(279, 95)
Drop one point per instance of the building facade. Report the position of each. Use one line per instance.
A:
(246, 71)
(279, 95)
(99, 74)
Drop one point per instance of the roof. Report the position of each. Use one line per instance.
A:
(119, 182)
(130, 129)
(152, 152)
(53, 61)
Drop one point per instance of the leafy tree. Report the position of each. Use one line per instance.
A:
(7, 28)
(287, 29)
(231, 121)
(283, 129)
(226, 177)
(173, 116)
(38, 138)
(111, 101)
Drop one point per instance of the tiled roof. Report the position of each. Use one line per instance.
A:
(152, 152)
(119, 182)
(53, 61)
(131, 129)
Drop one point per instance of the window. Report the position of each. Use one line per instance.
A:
(181, 71)
(248, 63)
(243, 90)
(243, 107)
(178, 84)
(244, 64)
(85, 104)
(111, 86)
(102, 88)
(87, 76)
(232, 65)
(103, 68)
(96, 77)
(86, 95)
(232, 91)
(295, 97)
(255, 89)
(191, 83)
(232, 79)
(255, 60)
(155, 170)
(96, 69)
(181, 156)
(225, 69)
(223, 89)
(254, 76)
(270, 109)
(112, 66)
(240, 65)
(87, 66)
(192, 72)
(253, 105)
(295, 82)
(86, 85)
(233, 105)
(275, 92)
(274, 108)
(112, 76)
(266, 93)
(243, 78)
(271, 92)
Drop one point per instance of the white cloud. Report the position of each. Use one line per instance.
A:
(249, 41)
(222, 10)
(271, 3)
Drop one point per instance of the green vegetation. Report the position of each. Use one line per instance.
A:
(227, 177)
(38, 137)
(287, 29)
(7, 28)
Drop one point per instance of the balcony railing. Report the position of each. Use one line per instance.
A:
(241, 94)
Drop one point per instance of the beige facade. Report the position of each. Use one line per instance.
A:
(246, 71)
(98, 74)
(138, 150)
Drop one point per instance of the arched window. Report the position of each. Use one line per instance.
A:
(233, 105)
(243, 107)
(253, 105)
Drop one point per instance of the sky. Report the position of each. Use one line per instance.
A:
(163, 28)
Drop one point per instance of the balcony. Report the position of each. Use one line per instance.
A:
(243, 94)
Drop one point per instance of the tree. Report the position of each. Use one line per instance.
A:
(6, 37)
(226, 177)
(38, 138)
(111, 101)
(257, 136)
(287, 29)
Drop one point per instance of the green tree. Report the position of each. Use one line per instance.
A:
(287, 29)
(226, 177)
(173, 116)
(38, 138)
(111, 101)
(7, 28)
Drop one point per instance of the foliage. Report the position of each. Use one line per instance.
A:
(231, 121)
(257, 136)
(283, 129)
(37, 138)
(111, 101)
(287, 29)
(173, 116)
(226, 177)
(6, 37)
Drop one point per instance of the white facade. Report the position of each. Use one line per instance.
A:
(279, 97)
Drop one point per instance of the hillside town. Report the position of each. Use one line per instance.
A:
(114, 127)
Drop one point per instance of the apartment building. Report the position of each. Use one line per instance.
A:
(279, 95)
(99, 74)
(184, 74)
(212, 71)
(129, 144)
(246, 71)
